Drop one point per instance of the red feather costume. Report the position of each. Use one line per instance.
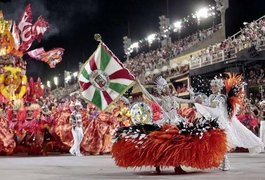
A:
(169, 146)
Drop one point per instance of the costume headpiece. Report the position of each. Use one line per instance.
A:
(160, 83)
(18, 103)
(262, 103)
(218, 82)
(78, 104)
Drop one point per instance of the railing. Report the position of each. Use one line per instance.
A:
(167, 63)
(236, 34)
(224, 55)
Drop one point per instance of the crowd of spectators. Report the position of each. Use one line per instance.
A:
(253, 34)
(62, 92)
(173, 71)
(155, 59)
(181, 87)
(256, 74)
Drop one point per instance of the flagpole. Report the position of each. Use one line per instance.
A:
(149, 96)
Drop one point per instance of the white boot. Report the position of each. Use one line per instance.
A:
(225, 165)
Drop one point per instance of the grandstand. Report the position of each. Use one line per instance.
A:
(206, 54)
(238, 53)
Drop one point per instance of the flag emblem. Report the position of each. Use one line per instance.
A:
(103, 78)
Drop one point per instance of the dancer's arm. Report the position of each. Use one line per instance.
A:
(181, 100)
(188, 101)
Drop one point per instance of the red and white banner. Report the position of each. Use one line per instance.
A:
(30, 32)
(51, 57)
(25, 28)
(39, 28)
(36, 53)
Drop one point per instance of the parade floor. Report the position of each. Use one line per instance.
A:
(65, 167)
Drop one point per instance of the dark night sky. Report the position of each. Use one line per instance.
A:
(74, 22)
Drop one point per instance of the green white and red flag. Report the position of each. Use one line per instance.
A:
(103, 78)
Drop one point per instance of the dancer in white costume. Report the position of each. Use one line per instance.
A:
(167, 101)
(169, 104)
(262, 122)
(77, 129)
(237, 134)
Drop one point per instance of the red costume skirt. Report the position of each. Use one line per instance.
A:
(168, 147)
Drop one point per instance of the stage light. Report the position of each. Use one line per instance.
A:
(177, 25)
(150, 38)
(55, 80)
(48, 84)
(134, 45)
(202, 13)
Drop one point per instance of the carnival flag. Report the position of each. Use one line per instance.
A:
(39, 28)
(30, 32)
(51, 57)
(25, 28)
(103, 78)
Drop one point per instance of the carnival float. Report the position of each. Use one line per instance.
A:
(23, 128)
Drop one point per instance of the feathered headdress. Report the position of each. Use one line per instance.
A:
(234, 87)
(78, 104)
(262, 103)
(160, 83)
(218, 82)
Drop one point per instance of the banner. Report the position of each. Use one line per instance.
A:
(103, 78)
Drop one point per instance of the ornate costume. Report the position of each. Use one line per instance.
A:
(98, 133)
(77, 130)
(262, 123)
(224, 107)
(176, 144)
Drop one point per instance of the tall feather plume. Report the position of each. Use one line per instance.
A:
(234, 90)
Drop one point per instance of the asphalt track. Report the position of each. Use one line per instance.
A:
(66, 167)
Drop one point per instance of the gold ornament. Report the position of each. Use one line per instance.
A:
(97, 37)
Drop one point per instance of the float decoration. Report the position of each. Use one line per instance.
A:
(13, 83)
(15, 41)
(51, 57)
(141, 113)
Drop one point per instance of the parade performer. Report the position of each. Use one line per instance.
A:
(168, 102)
(224, 107)
(30, 137)
(7, 142)
(122, 112)
(97, 138)
(47, 124)
(62, 127)
(172, 142)
(77, 129)
(262, 122)
(248, 118)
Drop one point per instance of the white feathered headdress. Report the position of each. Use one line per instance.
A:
(78, 104)
(160, 83)
(218, 82)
